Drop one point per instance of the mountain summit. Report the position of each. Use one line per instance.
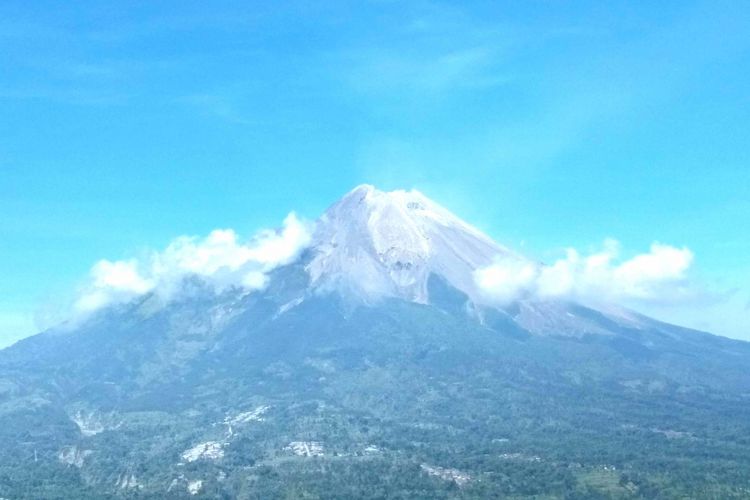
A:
(373, 245)
(387, 244)
(371, 366)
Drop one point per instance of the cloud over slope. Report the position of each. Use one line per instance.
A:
(221, 258)
(657, 275)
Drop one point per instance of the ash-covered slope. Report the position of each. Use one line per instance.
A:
(372, 245)
(376, 244)
(372, 367)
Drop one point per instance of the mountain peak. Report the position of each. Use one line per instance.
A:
(361, 190)
(407, 210)
(376, 243)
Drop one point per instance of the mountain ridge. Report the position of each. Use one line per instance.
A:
(379, 243)
(313, 386)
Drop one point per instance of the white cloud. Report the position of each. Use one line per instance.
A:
(507, 279)
(660, 275)
(112, 281)
(221, 258)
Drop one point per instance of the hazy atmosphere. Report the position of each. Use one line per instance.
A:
(375, 249)
(548, 127)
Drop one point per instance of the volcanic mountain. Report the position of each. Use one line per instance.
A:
(373, 366)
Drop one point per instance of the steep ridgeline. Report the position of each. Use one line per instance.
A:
(374, 244)
(374, 367)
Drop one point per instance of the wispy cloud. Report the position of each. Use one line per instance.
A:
(217, 104)
(430, 49)
(378, 70)
(78, 81)
(72, 96)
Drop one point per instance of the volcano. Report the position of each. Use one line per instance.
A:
(374, 366)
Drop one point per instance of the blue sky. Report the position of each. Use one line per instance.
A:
(547, 124)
